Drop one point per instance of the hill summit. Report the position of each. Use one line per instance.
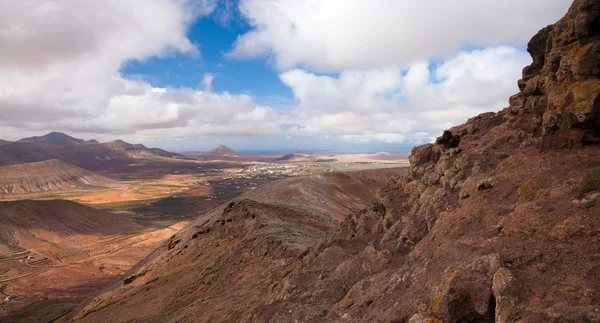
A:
(53, 138)
(296, 155)
(222, 151)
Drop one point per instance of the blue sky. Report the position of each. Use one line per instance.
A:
(311, 75)
(238, 76)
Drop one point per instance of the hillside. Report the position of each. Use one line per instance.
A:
(221, 151)
(53, 138)
(497, 221)
(4, 142)
(56, 253)
(243, 243)
(47, 176)
(55, 228)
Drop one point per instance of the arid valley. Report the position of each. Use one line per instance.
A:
(67, 231)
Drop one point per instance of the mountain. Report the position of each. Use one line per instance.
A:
(90, 155)
(47, 176)
(221, 151)
(53, 138)
(497, 221)
(4, 142)
(296, 156)
(306, 158)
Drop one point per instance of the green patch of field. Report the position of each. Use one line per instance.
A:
(165, 212)
(57, 196)
(158, 189)
(121, 206)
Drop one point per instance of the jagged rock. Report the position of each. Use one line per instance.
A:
(466, 291)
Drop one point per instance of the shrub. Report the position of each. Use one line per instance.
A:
(343, 291)
(590, 182)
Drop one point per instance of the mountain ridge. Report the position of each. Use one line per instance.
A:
(78, 151)
(47, 176)
(53, 138)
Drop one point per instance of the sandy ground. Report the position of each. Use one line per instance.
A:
(145, 190)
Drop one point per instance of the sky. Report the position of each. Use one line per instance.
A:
(261, 75)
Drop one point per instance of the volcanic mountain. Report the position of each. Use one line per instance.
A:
(304, 157)
(90, 155)
(47, 176)
(221, 151)
(497, 221)
(296, 156)
(53, 138)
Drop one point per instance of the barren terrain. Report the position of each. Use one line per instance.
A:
(54, 253)
(47, 176)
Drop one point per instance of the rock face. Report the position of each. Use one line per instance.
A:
(47, 176)
(495, 221)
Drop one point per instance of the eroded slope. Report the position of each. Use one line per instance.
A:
(47, 176)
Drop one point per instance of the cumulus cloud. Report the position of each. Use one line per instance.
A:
(392, 105)
(335, 35)
(60, 63)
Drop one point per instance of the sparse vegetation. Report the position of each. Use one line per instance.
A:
(590, 204)
(590, 182)
(120, 206)
(523, 191)
(343, 291)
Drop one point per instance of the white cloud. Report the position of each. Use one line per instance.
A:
(335, 35)
(60, 63)
(207, 80)
(391, 105)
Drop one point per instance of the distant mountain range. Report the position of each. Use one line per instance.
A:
(55, 138)
(87, 154)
